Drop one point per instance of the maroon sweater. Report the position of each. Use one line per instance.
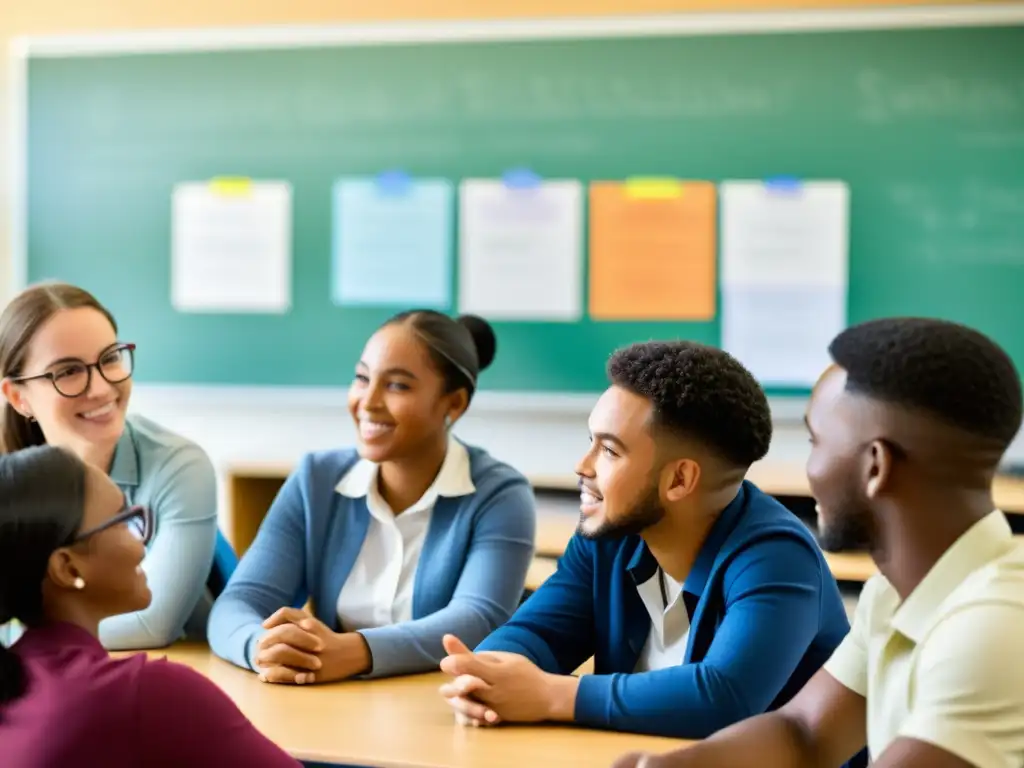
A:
(83, 708)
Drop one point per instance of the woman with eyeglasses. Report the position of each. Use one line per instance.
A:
(70, 555)
(66, 379)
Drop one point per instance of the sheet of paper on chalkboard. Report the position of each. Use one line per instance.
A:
(785, 256)
(782, 334)
(785, 232)
(231, 246)
(521, 248)
(393, 241)
(652, 250)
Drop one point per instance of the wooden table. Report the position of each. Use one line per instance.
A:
(399, 723)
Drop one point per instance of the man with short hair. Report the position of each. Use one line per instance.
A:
(907, 430)
(701, 599)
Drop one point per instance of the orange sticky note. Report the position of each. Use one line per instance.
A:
(652, 250)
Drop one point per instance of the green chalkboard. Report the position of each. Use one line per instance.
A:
(926, 126)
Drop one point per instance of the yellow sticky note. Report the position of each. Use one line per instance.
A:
(231, 186)
(653, 188)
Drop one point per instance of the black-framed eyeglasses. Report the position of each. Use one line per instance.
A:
(71, 378)
(139, 520)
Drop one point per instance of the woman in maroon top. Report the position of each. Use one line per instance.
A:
(70, 552)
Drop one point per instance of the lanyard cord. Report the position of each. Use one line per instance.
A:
(664, 589)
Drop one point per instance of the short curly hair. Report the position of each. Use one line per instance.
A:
(701, 392)
(952, 372)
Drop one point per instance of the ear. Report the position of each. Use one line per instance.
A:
(12, 394)
(458, 402)
(62, 569)
(878, 468)
(683, 476)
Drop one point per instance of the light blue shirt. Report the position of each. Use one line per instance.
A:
(468, 579)
(175, 478)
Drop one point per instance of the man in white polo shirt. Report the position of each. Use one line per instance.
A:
(907, 429)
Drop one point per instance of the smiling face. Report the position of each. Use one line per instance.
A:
(835, 466)
(95, 418)
(397, 398)
(108, 562)
(619, 492)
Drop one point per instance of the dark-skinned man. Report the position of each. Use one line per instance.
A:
(907, 430)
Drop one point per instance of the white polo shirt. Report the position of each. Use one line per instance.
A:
(379, 589)
(946, 666)
(670, 623)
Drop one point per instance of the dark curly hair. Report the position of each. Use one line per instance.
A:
(952, 372)
(699, 391)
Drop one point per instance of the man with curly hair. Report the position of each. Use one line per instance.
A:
(701, 599)
(907, 427)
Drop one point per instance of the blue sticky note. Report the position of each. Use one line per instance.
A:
(392, 241)
(394, 182)
(789, 184)
(520, 178)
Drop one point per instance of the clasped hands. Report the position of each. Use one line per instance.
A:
(492, 687)
(300, 649)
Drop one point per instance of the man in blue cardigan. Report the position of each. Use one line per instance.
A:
(702, 600)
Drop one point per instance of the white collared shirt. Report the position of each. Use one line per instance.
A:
(379, 589)
(670, 624)
(943, 666)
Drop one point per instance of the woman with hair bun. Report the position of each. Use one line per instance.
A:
(407, 537)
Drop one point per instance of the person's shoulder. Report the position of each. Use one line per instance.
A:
(315, 479)
(490, 473)
(998, 585)
(325, 466)
(762, 510)
(162, 462)
(763, 521)
(162, 678)
(152, 437)
(979, 626)
(177, 691)
(164, 455)
(78, 687)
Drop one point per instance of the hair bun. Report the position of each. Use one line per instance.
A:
(484, 340)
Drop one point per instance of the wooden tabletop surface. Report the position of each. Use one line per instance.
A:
(399, 723)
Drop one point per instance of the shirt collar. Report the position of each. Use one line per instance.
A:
(983, 542)
(454, 479)
(643, 565)
(124, 470)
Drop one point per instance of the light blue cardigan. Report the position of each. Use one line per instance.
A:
(468, 582)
